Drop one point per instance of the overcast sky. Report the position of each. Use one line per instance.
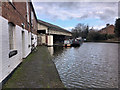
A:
(69, 14)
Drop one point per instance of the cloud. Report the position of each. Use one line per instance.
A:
(105, 11)
(98, 27)
(119, 9)
(95, 27)
(74, 0)
(69, 28)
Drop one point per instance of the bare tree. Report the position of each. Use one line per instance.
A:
(80, 30)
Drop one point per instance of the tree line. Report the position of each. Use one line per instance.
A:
(82, 30)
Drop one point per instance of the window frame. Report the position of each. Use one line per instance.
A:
(11, 28)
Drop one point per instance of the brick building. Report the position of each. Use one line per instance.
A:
(18, 34)
(109, 29)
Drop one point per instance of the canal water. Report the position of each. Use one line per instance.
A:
(92, 65)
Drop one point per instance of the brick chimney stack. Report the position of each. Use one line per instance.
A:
(107, 25)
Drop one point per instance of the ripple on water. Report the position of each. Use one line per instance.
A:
(93, 65)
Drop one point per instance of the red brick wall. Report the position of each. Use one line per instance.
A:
(35, 26)
(110, 29)
(0, 8)
(15, 12)
(107, 30)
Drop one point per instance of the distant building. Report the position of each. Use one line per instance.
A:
(49, 34)
(109, 29)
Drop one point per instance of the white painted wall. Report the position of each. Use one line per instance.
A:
(42, 27)
(51, 50)
(50, 40)
(0, 48)
(5, 49)
(34, 41)
(43, 38)
(27, 42)
(7, 65)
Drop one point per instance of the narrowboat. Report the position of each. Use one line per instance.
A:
(77, 42)
(73, 42)
(67, 43)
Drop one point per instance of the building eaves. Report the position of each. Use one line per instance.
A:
(54, 27)
(34, 11)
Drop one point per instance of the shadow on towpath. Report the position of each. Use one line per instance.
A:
(36, 71)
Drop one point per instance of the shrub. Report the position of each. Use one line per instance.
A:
(110, 36)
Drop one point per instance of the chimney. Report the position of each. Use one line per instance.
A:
(107, 25)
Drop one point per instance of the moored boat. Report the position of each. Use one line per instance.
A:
(67, 43)
(73, 42)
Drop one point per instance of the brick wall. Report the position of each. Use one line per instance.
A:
(107, 30)
(15, 12)
(0, 8)
(34, 28)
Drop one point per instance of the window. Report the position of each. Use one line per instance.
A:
(32, 17)
(11, 35)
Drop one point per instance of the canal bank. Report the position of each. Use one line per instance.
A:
(36, 71)
(105, 41)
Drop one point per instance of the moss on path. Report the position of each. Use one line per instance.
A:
(36, 71)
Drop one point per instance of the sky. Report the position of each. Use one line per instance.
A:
(68, 14)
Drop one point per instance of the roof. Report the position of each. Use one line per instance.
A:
(54, 27)
(110, 26)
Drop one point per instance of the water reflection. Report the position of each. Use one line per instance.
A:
(93, 65)
(56, 50)
(51, 50)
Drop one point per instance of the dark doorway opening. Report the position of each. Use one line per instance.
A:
(41, 31)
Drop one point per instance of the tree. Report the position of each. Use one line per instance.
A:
(95, 36)
(85, 32)
(117, 27)
(75, 33)
(80, 30)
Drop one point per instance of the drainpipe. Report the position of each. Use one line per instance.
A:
(31, 36)
(31, 27)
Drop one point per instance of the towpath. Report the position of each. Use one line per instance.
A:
(36, 71)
